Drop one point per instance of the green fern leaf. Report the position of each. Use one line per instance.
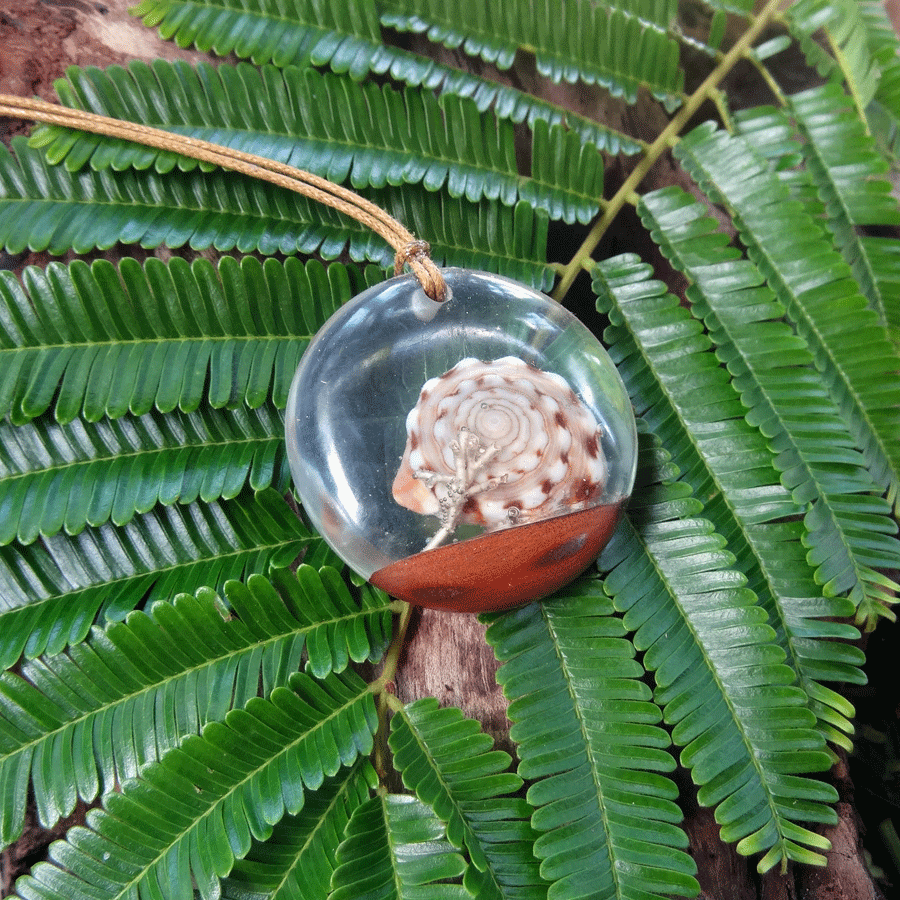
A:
(838, 150)
(509, 241)
(764, 358)
(298, 860)
(723, 457)
(229, 211)
(219, 790)
(297, 32)
(63, 477)
(69, 726)
(96, 341)
(883, 113)
(586, 732)
(848, 39)
(883, 257)
(773, 135)
(817, 289)
(446, 759)
(350, 43)
(596, 43)
(850, 526)
(505, 101)
(408, 68)
(406, 854)
(340, 130)
(53, 591)
(746, 734)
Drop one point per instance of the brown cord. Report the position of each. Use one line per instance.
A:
(409, 251)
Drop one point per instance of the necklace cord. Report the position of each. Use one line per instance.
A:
(409, 251)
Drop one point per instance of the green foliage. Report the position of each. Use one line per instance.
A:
(447, 760)
(620, 46)
(366, 134)
(180, 651)
(588, 738)
(394, 847)
(136, 689)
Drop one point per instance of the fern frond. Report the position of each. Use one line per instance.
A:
(53, 591)
(299, 858)
(63, 477)
(94, 341)
(774, 371)
(366, 134)
(695, 411)
(846, 33)
(773, 135)
(746, 734)
(298, 32)
(447, 760)
(218, 790)
(587, 734)
(606, 44)
(229, 211)
(408, 68)
(883, 113)
(848, 172)
(395, 849)
(505, 101)
(69, 727)
(883, 255)
(817, 289)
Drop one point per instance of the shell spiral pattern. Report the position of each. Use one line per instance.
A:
(499, 443)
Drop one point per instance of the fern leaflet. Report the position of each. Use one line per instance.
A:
(370, 135)
(830, 129)
(220, 790)
(298, 860)
(815, 286)
(446, 759)
(746, 734)
(228, 211)
(407, 854)
(341, 35)
(96, 341)
(587, 735)
(740, 483)
(182, 665)
(596, 43)
(52, 592)
(63, 477)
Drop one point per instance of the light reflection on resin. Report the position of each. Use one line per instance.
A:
(469, 455)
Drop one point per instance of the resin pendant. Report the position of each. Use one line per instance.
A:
(467, 455)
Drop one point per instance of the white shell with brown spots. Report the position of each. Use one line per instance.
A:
(545, 457)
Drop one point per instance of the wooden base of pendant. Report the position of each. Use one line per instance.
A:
(502, 569)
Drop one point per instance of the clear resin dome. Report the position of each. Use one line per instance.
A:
(470, 455)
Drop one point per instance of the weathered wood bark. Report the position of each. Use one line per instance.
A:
(446, 656)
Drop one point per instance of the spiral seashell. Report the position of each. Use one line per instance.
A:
(499, 443)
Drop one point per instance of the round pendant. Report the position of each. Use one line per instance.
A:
(468, 455)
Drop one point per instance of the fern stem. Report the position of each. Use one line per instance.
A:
(392, 658)
(849, 80)
(382, 687)
(582, 257)
(718, 99)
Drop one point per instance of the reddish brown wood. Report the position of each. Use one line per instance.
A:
(505, 568)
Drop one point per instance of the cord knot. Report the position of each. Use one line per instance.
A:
(417, 255)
